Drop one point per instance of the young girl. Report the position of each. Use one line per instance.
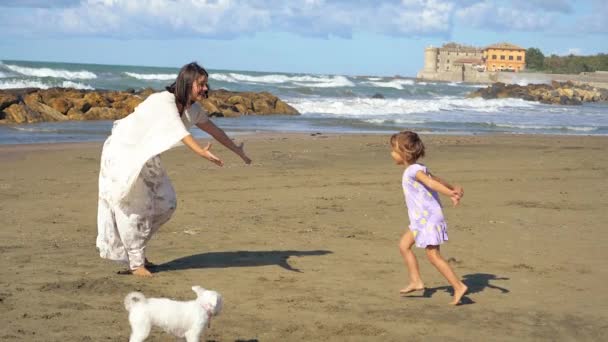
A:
(428, 228)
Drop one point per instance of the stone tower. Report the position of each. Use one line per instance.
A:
(430, 60)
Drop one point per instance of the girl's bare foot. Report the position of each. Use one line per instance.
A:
(141, 272)
(458, 293)
(411, 288)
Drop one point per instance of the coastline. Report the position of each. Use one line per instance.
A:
(249, 136)
(330, 207)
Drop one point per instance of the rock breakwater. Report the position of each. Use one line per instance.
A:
(60, 104)
(562, 93)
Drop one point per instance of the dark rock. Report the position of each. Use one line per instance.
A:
(7, 99)
(377, 96)
(563, 93)
(19, 113)
(58, 104)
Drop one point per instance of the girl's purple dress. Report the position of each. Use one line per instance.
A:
(424, 210)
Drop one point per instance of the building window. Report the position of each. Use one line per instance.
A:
(510, 58)
(519, 58)
(493, 56)
(448, 61)
(502, 57)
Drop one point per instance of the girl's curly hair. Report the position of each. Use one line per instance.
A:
(409, 144)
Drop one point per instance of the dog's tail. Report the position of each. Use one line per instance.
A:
(134, 298)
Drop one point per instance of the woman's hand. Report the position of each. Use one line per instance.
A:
(241, 152)
(206, 153)
(218, 134)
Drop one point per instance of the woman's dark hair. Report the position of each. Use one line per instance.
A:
(182, 87)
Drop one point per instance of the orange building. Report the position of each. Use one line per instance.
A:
(504, 57)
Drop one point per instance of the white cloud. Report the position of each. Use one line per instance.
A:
(225, 19)
(495, 16)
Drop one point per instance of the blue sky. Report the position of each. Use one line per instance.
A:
(354, 37)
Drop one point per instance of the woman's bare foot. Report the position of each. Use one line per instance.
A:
(412, 287)
(458, 293)
(141, 272)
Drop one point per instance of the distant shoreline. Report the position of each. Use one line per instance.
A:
(597, 79)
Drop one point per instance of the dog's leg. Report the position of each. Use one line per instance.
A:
(193, 335)
(139, 335)
(140, 328)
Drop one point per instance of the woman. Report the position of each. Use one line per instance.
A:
(135, 194)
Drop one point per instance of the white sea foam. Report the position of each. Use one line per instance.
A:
(9, 84)
(305, 81)
(34, 129)
(75, 85)
(547, 127)
(3, 75)
(48, 72)
(366, 107)
(151, 77)
(395, 83)
(12, 84)
(400, 121)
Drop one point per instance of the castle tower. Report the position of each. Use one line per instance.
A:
(430, 60)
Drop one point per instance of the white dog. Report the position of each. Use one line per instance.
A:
(182, 319)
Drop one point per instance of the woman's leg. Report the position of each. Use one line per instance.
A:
(134, 230)
(434, 255)
(108, 238)
(164, 205)
(405, 247)
(136, 216)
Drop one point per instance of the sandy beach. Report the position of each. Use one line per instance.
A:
(303, 243)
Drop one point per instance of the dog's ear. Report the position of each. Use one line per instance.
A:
(218, 304)
(198, 290)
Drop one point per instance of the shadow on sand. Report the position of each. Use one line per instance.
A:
(476, 282)
(236, 259)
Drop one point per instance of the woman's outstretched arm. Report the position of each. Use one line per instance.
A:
(218, 134)
(204, 152)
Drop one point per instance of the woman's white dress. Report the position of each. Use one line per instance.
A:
(135, 194)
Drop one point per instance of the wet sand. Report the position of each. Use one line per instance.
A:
(303, 243)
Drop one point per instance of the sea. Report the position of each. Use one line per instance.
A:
(343, 104)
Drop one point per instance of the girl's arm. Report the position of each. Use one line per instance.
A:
(201, 151)
(448, 185)
(441, 186)
(218, 134)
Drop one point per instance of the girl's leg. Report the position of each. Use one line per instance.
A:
(405, 247)
(434, 255)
